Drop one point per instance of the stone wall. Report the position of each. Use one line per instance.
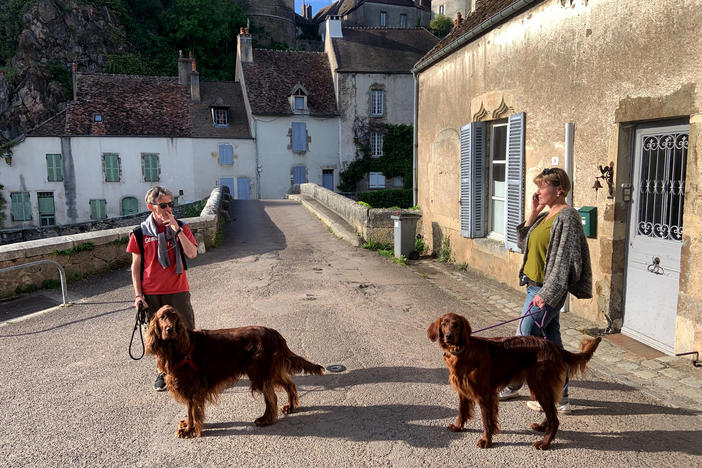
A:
(93, 252)
(372, 224)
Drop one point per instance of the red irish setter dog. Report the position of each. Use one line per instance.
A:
(480, 367)
(199, 364)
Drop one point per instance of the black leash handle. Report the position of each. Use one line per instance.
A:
(140, 319)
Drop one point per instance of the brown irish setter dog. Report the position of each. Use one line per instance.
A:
(199, 364)
(480, 367)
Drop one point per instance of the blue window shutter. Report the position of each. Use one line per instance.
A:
(514, 193)
(299, 136)
(473, 180)
(299, 175)
(226, 155)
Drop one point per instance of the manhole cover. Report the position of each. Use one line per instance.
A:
(336, 368)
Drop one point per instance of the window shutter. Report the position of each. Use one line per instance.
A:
(46, 205)
(111, 164)
(21, 209)
(514, 193)
(54, 171)
(299, 136)
(226, 155)
(473, 179)
(130, 205)
(150, 167)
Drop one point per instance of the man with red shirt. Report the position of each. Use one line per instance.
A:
(158, 276)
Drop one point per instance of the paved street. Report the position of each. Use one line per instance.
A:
(71, 396)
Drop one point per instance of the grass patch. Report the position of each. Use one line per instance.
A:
(445, 250)
(373, 245)
(420, 246)
(84, 247)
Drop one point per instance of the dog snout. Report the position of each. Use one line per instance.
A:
(448, 335)
(169, 330)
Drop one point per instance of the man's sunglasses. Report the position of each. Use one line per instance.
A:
(164, 205)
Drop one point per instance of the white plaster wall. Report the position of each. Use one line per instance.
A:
(209, 171)
(277, 160)
(354, 99)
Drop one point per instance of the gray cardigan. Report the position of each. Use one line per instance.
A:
(567, 267)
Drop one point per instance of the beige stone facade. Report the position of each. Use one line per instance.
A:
(608, 66)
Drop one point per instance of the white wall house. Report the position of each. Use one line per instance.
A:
(121, 136)
(373, 84)
(293, 116)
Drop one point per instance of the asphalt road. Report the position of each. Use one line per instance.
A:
(71, 396)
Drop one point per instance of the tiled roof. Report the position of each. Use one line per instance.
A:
(274, 73)
(344, 7)
(381, 50)
(147, 106)
(220, 94)
(129, 106)
(485, 10)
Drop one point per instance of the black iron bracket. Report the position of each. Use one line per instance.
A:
(695, 362)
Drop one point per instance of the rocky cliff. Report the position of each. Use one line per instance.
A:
(55, 34)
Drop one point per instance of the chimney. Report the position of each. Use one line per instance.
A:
(184, 67)
(243, 46)
(473, 5)
(308, 12)
(195, 85)
(459, 19)
(74, 72)
(333, 27)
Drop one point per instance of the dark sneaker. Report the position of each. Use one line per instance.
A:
(160, 384)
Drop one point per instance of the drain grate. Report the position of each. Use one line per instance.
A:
(336, 368)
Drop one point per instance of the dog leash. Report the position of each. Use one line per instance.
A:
(140, 320)
(521, 318)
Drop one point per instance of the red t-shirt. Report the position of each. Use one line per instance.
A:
(159, 280)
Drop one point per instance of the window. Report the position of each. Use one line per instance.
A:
(376, 180)
(98, 209)
(397, 181)
(299, 103)
(111, 167)
(299, 175)
(226, 155)
(383, 18)
(377, 102)
(298, 99)
(496, 176)
(130, 206)
(149, 167)
(299, 137)
(441, 9)
(376, 144)
(54, 169)
(403, 21)
(21, 209)
(220, 117)
(47, 210)
(491, 179)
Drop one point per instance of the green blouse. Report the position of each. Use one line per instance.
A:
(538, 246)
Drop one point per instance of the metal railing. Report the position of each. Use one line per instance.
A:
(62, 273)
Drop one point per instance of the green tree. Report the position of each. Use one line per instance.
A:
(11, 12)
(441, 25)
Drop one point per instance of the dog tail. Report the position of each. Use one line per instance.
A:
(577, 362)
(298, 364)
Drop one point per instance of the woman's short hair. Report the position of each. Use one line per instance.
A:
(155, 193)
(555, 177)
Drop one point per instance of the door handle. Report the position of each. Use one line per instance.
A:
(655, 266)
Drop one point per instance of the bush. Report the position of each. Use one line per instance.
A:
(387, 198)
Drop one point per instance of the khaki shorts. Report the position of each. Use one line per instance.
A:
(181, 302)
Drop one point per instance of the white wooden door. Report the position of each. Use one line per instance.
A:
(655, 236)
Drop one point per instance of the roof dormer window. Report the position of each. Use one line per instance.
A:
(298, 100)
(220, 117)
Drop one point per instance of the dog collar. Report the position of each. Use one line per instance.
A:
(458, 351)
(188, 359)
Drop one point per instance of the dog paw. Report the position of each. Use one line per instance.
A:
(182, 424)
(538, 427)
(262, 422)
(541, 445)
(287, 409)
(454, 428)
(186, 433)
(484, 443)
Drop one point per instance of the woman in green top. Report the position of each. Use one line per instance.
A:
(556, 261)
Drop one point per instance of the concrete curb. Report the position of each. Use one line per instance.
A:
(338, 226)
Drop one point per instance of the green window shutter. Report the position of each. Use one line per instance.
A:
(54, 169)
(46, 205)
(98, 209)
(111, 167)
(473, 183)
(21, 209)
(130, 205)
(514, 193)
(150, 167)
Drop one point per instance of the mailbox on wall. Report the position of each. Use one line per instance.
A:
(588, 216)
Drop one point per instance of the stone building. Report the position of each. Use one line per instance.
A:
(275, 20)
(607, 90)
(378, 13)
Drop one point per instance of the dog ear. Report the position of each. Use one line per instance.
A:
(153, 337)
(182, 337)
(434, 330)
(466, 330)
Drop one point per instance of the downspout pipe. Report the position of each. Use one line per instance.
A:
(415, 143)
(472, 33)
(569, 168)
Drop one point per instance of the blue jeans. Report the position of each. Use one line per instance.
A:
(531, 325)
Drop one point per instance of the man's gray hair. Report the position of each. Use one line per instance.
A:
(157, 192)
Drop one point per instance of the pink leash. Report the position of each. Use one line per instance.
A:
(520, 318)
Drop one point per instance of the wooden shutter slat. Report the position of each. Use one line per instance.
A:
(472, 215)
(514, 191)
